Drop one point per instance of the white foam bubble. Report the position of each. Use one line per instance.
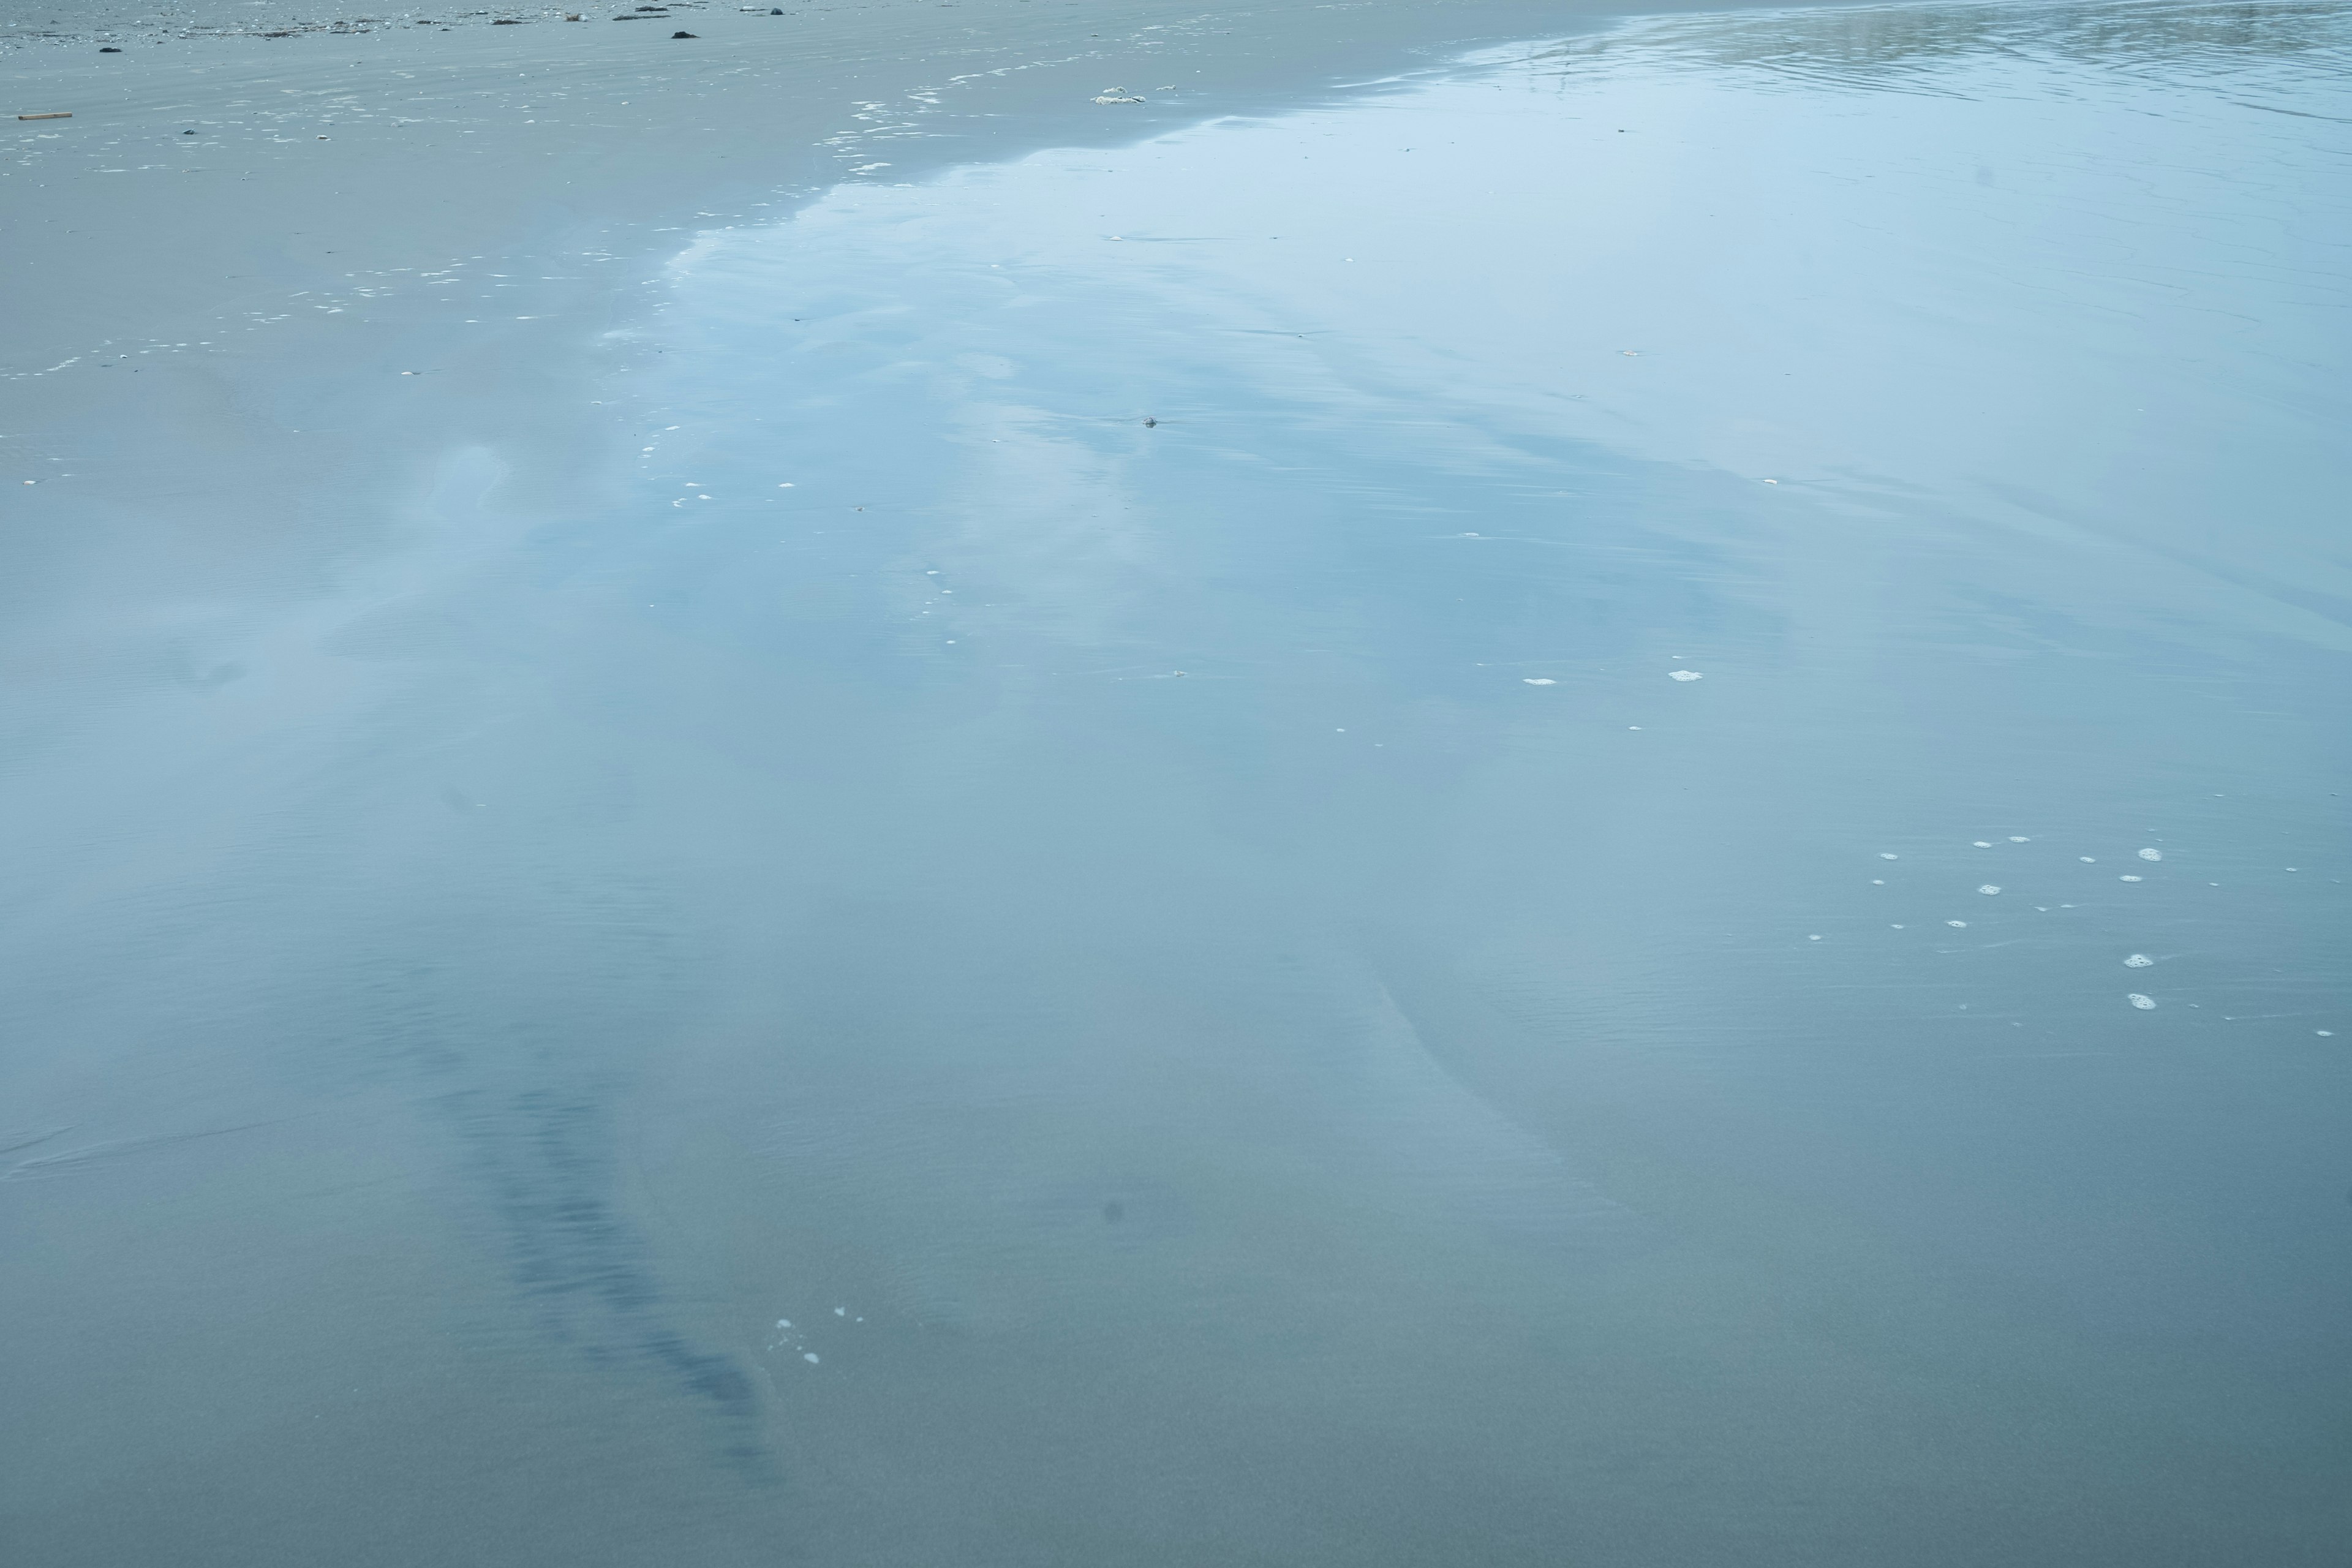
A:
(1984, 843)
(2142, 1003)
(2087, 859)
(2128, 879)
(1988, 887)
(809, 1356)
(2013, 838)
(2152, 854)
(1958, 924)
(2137, 960)
(1539, 680)
(1883, 855)
(1685, 674)
(1812, 939)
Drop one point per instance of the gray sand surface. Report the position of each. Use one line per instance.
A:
(543, 1021)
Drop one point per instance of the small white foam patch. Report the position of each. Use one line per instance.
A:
(2087, 859)
(1685, 674)
(2127, 878)
(1539, 680)
(2152, 854)
(1960, 925)
(810, 1357)
(1984, 843)
(2142, 1003)
(2137, 960)
(1883, 855)
(2013, 838)
(1988, 887)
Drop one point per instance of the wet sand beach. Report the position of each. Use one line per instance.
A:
(1027, 783)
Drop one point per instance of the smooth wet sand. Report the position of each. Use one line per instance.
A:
(555, 1021)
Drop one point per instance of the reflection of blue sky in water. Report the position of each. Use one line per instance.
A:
(1547, 1105)
(2037, 296)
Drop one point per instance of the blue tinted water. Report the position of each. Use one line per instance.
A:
(1583, 809)
(1551, 1119)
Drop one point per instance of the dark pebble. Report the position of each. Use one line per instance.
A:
(682, 35)
(110, 49)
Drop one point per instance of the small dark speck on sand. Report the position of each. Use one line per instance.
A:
(110, 49)
(684, 35)
(1148, 422)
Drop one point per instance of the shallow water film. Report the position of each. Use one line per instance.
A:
(1583, 809)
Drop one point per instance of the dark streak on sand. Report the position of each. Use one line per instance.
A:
(546, 1158)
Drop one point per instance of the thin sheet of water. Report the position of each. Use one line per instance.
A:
(1583, 808)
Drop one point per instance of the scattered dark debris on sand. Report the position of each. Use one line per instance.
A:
(104, 22)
